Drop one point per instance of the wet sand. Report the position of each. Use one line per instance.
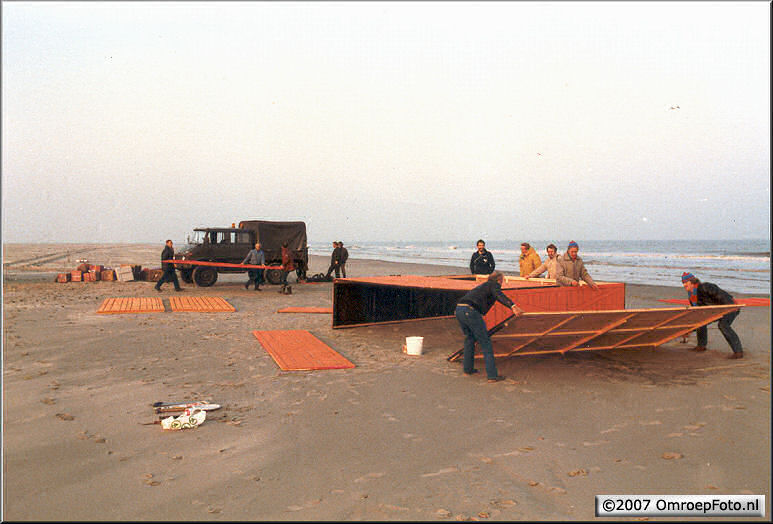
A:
(396, 438)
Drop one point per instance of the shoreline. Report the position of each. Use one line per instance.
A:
(23, 256)
(395, 438)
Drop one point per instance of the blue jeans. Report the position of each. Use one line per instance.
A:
(727, 331)
(256, 276)
(474, 329)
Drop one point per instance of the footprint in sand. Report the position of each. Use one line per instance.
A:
(370, 476)
(596, 443)
(443, 471)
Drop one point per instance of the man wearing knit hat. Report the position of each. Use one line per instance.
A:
(708, 294)
(570, 268)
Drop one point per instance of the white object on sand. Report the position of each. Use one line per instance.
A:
(413, 345)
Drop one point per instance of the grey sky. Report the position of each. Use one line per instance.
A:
(386, 121)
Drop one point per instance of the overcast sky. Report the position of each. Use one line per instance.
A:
(135, 122)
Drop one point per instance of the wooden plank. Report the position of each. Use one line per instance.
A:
(299, 350)
(300, 309)
(131, 305)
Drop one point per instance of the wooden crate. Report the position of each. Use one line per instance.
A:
(107, 274)
(76, 276)
(124, 273)
(63, 277)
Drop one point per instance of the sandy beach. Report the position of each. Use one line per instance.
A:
(396, 438)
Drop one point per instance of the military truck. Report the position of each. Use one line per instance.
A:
(231, 245)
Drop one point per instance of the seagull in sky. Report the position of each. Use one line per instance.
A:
(674, 107)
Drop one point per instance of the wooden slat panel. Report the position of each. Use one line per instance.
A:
(299, 350)
(535, 333)
(200, 305)
(131, 305)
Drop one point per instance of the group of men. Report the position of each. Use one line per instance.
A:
(567, 269)
(338, 260)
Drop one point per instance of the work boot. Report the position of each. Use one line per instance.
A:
(281, 290)
(247, 285)
(288, 290)
(736, 355)
(158, 289)
(699, 348)
(496, 379)
(257, 288)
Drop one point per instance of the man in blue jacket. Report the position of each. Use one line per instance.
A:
(482, 261)
(469, 312)
(255, 257)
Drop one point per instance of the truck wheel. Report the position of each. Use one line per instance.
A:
(272, 276)
(186, 275)
(204, 276)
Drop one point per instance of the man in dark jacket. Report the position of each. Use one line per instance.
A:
(708, 294)
(469, 312)
(335, 261)
(482, 261)
(344, 258)
(169, 273)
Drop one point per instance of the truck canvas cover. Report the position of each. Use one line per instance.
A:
(272, 234)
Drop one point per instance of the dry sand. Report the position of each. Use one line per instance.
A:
(396, 438)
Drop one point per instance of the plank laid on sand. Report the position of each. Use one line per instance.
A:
(200, 304)
(751, 301)
(112, 306)
(559, 332)
(300, 309)
(299, 350)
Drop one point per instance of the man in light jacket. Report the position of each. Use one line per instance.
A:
(529, 259)
(571, 269)
(550, 264)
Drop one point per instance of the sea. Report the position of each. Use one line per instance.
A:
(738, 266)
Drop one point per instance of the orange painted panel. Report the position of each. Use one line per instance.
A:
(305, 310)
(299, 350)
(609, 296)
(200, 304)
(131, 305)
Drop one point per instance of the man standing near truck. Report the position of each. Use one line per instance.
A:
(169, 273)
(335, 261)
(256, 258)
(344, 258)
(288, 265)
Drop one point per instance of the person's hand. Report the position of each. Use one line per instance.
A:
(517, 311)
(594, 287)
(575, 283)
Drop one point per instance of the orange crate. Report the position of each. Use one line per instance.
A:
(76, 276)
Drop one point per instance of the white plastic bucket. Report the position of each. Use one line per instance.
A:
(413, 345)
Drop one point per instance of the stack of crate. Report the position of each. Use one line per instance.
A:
(86, 272)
